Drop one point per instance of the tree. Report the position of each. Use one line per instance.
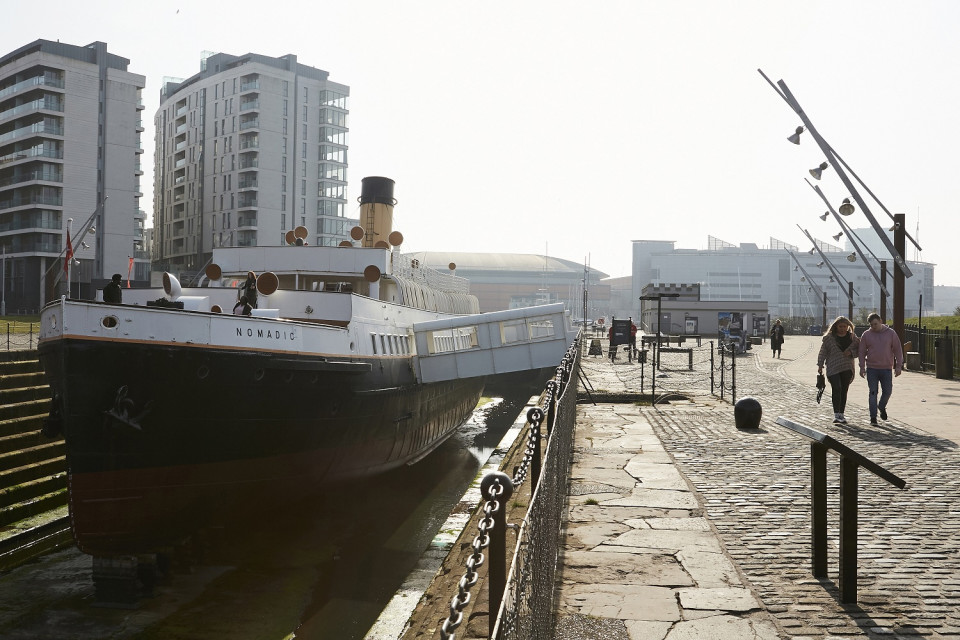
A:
(956, 311)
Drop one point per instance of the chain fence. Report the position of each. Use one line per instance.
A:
(19, 336)
(521, 600)
(685, 370)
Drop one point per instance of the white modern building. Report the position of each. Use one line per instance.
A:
(789, 286)
(247, 150)
(70, 125)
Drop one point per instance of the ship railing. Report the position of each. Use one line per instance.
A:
(411, 268)
(521, 594)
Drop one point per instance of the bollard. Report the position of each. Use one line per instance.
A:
(943, 357)
(747, 413)
(498, 538)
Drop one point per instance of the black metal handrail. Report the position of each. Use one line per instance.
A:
(850, 462)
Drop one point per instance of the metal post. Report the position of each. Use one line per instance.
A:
(711, 367)
(824, 325)
(498, 538)
(535, 458)
(723, 356)
(883, 286)
(733, 374)
(818, 509)
(849, 300)
(848, 530)
(900, 244)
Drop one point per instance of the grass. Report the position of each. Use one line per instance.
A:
(935, 323)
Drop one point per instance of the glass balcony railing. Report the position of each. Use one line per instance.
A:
(27, 176)
(250, 86)
(47, 103)
(248, 162)
(35, 128)
(35, 152)
(250, 143)
(29, 83)
(181, 111)
(54, 201)
(252, 104)
(250, 124)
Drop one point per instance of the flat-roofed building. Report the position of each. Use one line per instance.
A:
(249, 149)
(70, 125)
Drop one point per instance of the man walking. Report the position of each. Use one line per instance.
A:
(880, 352)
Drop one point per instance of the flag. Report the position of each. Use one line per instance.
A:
(66, 262)
(129, 270)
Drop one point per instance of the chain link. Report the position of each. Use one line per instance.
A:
(482, 540)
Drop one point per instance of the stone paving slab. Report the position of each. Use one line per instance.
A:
(752, 489)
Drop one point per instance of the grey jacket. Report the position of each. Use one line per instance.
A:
(838, 361)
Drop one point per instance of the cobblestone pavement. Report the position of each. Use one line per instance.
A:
(755, 486)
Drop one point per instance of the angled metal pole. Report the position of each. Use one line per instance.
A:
(826, 261)
(820, 292)
(785, 93)
(854, 239)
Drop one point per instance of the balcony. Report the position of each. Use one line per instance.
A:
(247, 184)
(37, 81)
(252, 85)
(250, 104)
(180, 146)
(247, 222)
(181, 111)
(180, 163)
(46, 128)
(250, 124)
(247, 201)
(181, 129)
(47, 103)
(29, 176)
(34, 152)
(249, 143)
(31, 199)
(248, 162)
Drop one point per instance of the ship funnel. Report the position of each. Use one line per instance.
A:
(171, 286)
(376, 209)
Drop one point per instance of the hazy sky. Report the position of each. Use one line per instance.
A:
(574, 128)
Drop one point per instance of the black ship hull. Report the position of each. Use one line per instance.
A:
(160, 438)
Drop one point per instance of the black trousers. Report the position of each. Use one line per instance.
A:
(839, 383)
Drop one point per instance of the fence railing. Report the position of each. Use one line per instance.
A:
(924, 342)
(19, 336)
(521, 598)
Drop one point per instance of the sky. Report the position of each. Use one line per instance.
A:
(571, 129)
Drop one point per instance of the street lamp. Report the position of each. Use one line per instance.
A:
(897, 248)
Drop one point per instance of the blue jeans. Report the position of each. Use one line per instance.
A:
(883, 378)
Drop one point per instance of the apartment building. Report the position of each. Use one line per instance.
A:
(248, 149)
(70, 125)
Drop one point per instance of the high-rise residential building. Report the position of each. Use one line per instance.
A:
(70, 125)
(247, 150)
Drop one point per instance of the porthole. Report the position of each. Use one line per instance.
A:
(258, 375)
(109, 322)
(203, 372)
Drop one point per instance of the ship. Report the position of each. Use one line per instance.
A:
(175, 410)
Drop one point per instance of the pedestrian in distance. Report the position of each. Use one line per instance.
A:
(881, 358)
(242, 308)
(776, 338)
(112, 292)
(249, 289)
(838, 349)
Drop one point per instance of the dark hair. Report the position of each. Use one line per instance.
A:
(873, 316)
(117, 277)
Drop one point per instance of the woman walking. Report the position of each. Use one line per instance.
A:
(838, 350)
(776, 338)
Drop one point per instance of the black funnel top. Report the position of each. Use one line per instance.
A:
(377, 189)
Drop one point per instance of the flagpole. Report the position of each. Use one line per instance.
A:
(69, 258)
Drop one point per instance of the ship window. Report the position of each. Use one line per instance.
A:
(373, 339)
(109, 322)
(383, 343)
